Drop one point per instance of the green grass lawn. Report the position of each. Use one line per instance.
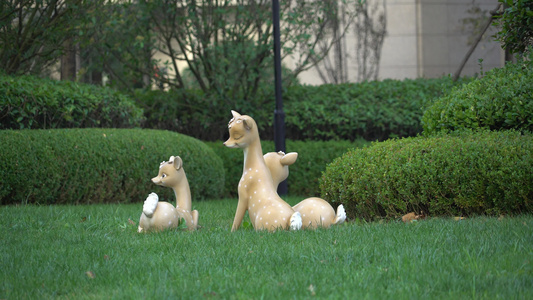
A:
(94, 252)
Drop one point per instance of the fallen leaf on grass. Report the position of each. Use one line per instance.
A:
(458, 218)
(131, 221)
(90, 274)
(411, 217)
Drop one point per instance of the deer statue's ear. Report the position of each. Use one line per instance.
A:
(178, 163)
(247, 125)
(289, 158)
(235, 114)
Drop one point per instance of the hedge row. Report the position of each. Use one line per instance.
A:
(28, 102)
(371, 110)
(83, 166)
(502, 99)
(457, 174)
(313, 156)
(374, 110)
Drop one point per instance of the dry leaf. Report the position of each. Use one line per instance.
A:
(131, 221)
(83, 219)
(410, 217)
(106, 257)
(458, 218)
(90, 274)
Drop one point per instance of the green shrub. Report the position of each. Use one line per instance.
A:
(458, 174)
(374, 110)
(313, 156)
(77, 166)
(502, 99)
(371, 110)
(197, 114)
(33, 103)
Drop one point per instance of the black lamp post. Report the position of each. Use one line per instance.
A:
(279, 115)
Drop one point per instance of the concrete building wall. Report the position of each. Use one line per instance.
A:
(426, 38)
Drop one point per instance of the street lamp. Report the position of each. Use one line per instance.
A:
(279, 115)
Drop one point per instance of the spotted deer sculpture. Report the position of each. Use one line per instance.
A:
(257, 193)
(316, 212)
(159, 215)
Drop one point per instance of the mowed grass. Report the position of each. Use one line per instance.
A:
(94, 252)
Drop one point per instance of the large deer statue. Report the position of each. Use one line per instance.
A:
(257, 193)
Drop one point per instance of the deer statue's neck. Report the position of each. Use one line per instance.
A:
(253, 156)
(183, 194)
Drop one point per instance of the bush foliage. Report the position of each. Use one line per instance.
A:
(374, 110)
(370, 110)
(456, 174)
(28, 102)
(502, 99)
(75, 166)
(313, 156)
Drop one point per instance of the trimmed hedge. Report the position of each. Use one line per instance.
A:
(458, 174)
(502, 99)
(28, 102)
(84, 166)
(373, 110)
(313, 156)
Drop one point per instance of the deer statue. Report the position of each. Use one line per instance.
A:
(257, 193)
(316, 212)
(159, 215)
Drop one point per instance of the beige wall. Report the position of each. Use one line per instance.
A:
(425, 39)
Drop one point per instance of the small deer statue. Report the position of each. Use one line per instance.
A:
(316, 212)
(257, 193)
(159, 215)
